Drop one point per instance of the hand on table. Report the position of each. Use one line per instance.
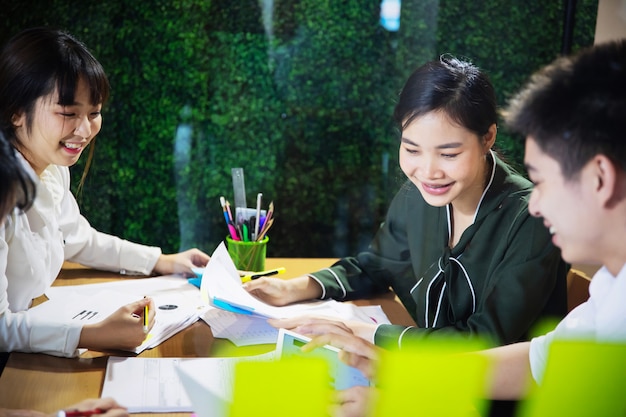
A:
(6, 412)
(280, 292)
(108, 407)
(181, 263)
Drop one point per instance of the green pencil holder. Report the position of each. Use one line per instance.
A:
(247, 256)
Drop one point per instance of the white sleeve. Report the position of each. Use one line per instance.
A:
(89, 247)
(21, 333)
(538, 355)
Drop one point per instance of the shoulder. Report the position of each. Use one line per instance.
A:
(511, 188)
(510, 179)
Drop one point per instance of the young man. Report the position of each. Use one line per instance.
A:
(572, 115)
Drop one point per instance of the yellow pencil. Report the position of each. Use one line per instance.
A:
(145, 319)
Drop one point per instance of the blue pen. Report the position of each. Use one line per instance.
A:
(224, 209)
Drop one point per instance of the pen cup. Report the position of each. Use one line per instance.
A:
(247, 256)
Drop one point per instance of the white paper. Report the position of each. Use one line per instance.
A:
(242, 330)
(202, 385)
(221, 282)
(178, 304)
(147, 385)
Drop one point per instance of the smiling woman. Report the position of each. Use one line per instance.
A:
(52, 90)
(458, 245)
(63, 130)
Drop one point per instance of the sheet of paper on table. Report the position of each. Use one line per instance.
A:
(244, 329)
(147, 385)
(178, 304)
(204, 385)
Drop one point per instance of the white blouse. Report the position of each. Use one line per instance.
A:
(33, 246)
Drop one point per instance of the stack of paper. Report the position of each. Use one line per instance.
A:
(240, 317)
(178, 304)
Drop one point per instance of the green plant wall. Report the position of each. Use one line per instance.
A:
(299, 94)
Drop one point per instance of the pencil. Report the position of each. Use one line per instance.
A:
(145, 319)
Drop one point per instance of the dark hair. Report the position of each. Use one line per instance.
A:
(575, 108)
(17, 187)
(457, 88)
(37, 61)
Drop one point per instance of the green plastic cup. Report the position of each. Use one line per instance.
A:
(247, 256)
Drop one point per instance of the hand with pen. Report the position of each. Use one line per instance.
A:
(124, 329)
(103, 407)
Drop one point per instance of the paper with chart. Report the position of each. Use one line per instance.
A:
(154, 385)
(205, 385)
(178, 304)
(244, 329)
(245, 314)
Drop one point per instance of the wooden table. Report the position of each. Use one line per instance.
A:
(48, 383)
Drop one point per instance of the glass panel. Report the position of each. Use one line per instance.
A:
(297, 93)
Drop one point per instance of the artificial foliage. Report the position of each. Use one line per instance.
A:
(297, 92)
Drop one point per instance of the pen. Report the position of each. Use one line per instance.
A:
(259, 196)
(77, 413)
(224, 210)
(267, 273)
(145, 319)
(230, 214)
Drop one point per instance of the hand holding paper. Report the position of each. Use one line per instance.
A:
(221, 287)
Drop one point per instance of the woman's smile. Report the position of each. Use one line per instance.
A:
(436, 189)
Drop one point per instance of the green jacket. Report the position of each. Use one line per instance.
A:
(497, 282)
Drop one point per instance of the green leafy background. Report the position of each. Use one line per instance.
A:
(300, 97)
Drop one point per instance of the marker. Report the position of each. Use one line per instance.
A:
(145, 319)
(244, 233)
(233, 231)
(267, 273)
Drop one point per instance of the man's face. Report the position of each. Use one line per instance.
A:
(566, 205)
